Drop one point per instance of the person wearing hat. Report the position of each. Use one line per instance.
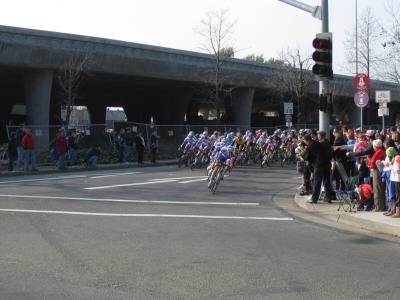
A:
(379, 193)
(387, 176)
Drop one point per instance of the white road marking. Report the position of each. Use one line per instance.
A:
(128, 184)
(193, 180)
(131, 201)
(78, 213)
(44, 179)
(178, 178)
(114, 174)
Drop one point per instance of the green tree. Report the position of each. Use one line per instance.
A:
(257, 58)
(228, 52)
(275, 61)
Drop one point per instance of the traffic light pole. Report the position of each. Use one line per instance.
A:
(324, 85)
(322, 13)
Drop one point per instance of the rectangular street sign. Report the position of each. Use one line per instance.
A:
(288, 118)
(383, 105)
(383, 111)
(382, 96)
(288, 108)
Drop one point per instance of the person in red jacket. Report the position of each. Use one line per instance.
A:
(379, 192)
(61, 148)
(28, 147)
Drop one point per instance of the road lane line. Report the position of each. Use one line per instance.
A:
(44, 179)
(178, 178)
(114, 174)
(128, 184)
(78, 213)
(193, 180)
(130, 200)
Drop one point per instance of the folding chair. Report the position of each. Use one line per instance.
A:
(346, 196)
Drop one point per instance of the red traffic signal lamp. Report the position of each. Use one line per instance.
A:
(322, 56)
(320, 43)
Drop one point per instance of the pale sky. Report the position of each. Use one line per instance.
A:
(264, 26)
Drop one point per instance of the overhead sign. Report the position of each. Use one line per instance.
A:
(361, 82)
(361, 99)
(382, 96)
(384, 111)
(288, 108)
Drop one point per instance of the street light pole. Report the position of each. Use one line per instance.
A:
(322, 13)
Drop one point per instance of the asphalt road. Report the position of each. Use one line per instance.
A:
(160, 234)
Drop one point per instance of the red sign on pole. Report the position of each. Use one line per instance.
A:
(361, 82)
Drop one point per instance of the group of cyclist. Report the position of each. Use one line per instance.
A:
(219, 153)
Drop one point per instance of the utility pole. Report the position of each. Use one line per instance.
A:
(322, 13)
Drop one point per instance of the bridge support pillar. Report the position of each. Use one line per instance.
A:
(97, 112)
(179, 106)
(37, 85)
(242, 104)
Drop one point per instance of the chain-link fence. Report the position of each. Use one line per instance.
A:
(169, 138)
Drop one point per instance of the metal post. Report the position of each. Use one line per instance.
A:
(361, 109)
(383, 123)
(324, 85)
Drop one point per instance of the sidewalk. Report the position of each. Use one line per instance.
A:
(53, 169)
(372, 221)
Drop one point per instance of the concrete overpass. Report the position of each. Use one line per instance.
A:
(146, 80)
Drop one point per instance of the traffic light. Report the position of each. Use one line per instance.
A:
(326, 103)
(322, 56)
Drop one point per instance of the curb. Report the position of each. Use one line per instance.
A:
(83, 169)
(348, 219)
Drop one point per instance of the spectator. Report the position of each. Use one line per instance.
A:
(154, 146)
(12, 152)
(28, 147)
(396, 179)
(19, 134)
(128, 145)
(119, 143)
(339, 155)
(319, 154)
(386, 173)
(140, 145)
(379, 154)
(72, 147)
(61, 148)
(92, 157)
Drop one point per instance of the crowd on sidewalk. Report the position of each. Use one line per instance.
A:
(21, 149)
(366, 161)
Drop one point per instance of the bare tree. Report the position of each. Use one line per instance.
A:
(216, 31)
(391, 42)
(293, 79)
(370, 58)
(69, 79)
